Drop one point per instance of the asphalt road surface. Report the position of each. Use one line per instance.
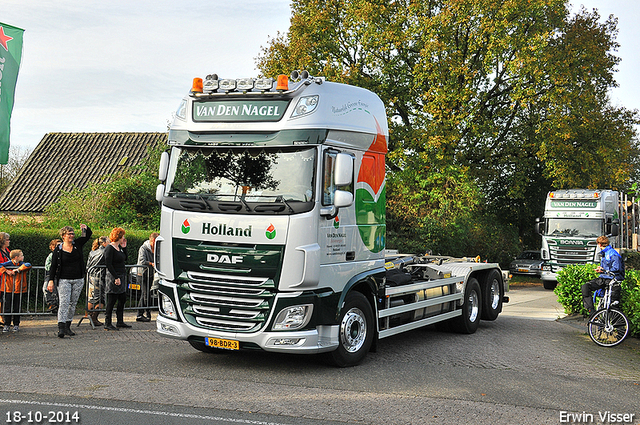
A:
(527, 367)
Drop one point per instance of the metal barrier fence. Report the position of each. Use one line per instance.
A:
(35, 302)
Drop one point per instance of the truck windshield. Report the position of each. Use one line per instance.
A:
(244, 175)
(574, 227)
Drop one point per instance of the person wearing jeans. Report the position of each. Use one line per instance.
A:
(67, 268)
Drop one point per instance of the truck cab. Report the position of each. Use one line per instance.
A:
(573, 219)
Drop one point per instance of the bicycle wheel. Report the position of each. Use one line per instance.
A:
(608, 328)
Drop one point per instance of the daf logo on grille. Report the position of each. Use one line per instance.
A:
(224, 259)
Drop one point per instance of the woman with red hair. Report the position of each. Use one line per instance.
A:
(115, 257)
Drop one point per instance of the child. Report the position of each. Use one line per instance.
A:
(50, 297)
(13, 283)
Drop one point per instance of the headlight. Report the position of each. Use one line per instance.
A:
(167, 308)
(294, 317)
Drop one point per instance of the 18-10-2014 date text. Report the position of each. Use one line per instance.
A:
(39, 417)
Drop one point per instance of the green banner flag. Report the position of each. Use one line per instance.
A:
(10, 56)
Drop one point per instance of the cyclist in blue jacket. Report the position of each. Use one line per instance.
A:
(611, 261)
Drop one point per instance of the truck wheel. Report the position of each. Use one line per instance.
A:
(492, 293)
(355, 333)
(549, 284)
(471, 309)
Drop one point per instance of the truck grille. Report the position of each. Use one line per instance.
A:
(227, 303)
(563, 255)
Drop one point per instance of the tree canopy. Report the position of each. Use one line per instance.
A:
(491, 104)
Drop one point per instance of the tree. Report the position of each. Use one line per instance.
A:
(126, 199)
(17, 157)
(483, 98)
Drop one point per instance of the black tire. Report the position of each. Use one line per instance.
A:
(608, 328)
(549, 284)
(492, 294)
(356, 331)
(471, 309)
(201, 346)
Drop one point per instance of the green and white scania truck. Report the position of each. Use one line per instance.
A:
(573, 220)
(273, 227)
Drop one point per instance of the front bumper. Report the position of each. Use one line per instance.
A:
(319, 340)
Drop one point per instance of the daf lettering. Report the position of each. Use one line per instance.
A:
(224, 259)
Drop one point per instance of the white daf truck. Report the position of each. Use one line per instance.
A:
(573, 220)
(273, 227)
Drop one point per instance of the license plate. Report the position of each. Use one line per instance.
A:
(225, 344)
(134, 286)
(523, 270)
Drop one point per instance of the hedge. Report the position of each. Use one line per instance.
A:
(569, 291)
(34, 243)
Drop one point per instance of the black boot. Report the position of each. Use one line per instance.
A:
(61, 327)
(120, 323)
(67, 329)
(107, 324)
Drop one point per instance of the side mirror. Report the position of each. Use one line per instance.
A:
(159, 192)
(612, 228)
(164, 166)
(539, 227)
(343, 170)
(342, 198)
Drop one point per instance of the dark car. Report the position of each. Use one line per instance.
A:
(528, 262)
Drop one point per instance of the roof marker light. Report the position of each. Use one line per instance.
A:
(283, 83)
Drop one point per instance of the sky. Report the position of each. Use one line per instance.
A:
(124, 65)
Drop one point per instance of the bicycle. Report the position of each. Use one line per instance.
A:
(608, 326)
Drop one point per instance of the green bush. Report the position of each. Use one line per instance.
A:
(569, 287)
(569, 292)
(631, 300)
(34, 243)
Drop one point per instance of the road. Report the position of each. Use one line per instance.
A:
(524, 368)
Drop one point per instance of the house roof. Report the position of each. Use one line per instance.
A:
(64, 161)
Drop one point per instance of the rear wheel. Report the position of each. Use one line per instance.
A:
(471, 309)
(608, 328)
(492, 294)
(355, 333)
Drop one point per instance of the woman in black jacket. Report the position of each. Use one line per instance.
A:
(115, 257)
(67, 268)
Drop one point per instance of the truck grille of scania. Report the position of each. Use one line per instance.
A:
(562, 255)
(227, 303)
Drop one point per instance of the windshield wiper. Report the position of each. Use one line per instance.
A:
(200, 197)
(245, 203)
(281, 199)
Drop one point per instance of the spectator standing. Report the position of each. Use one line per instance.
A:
(96, 274)
(13, 285)
(50, 297)
(67, 267)
(4, 257)
(145, 277)
(116, 279)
